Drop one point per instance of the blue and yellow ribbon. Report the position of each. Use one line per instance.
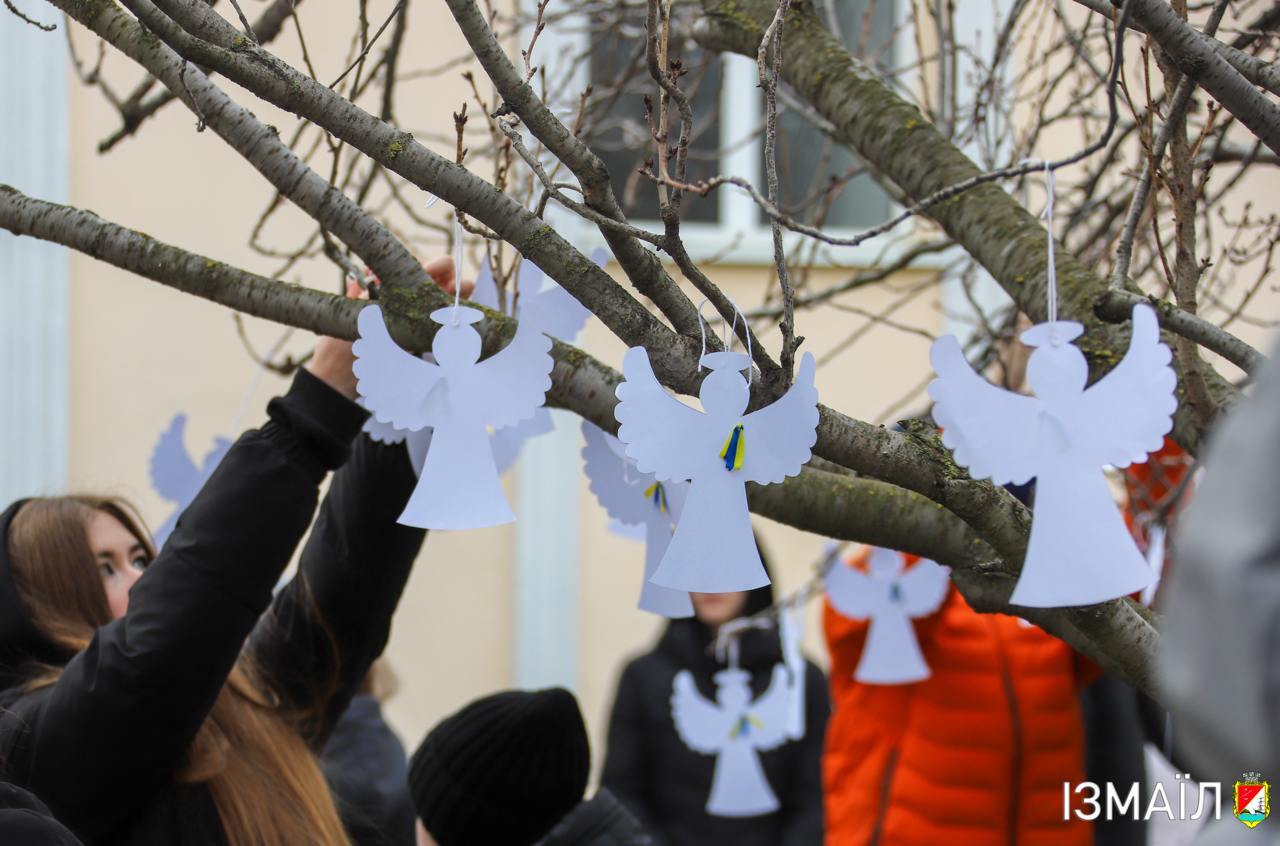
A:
(658, 495)
(743, 726)
(735, 447)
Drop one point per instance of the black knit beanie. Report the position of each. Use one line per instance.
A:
(503, 770)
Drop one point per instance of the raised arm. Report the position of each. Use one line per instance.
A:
(133, 700)
(331, 622)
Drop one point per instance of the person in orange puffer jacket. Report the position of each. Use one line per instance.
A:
(976, 754)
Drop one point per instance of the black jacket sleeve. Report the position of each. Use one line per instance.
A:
(332, 620)
(628, 768)
(118, 721)
(802, 806)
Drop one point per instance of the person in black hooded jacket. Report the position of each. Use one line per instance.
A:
(664, 783)
(189, 717)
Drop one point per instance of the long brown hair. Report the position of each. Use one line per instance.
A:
(265, 782)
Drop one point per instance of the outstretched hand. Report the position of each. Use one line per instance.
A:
(333, 358)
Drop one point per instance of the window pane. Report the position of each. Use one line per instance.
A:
(620, 132)
(808, 161)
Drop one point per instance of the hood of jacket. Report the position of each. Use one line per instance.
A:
(600, 822)
(22, 645)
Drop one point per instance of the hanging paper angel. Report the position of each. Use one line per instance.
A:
(175, 476)
(458, 396)
(1080, 552)
(734, 729)
(890, 597)
(719, 450)
(636, 498)
(791, 633)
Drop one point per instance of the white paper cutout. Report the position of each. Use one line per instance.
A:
(458, 396)
(1080, 552)
(554, 311)
(634, 498)
(735, 730)
(890, 596)
(1155, 560)
(713, 550)
(791, 632)
(557, 312)
(175, 476)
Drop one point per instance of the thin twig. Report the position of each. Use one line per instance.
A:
(769, 73)
(45, 27)
(369, 46)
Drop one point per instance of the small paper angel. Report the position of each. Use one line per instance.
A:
(719, 450)
(1080, 552)
(458, 396)
(735, 730)
(636, 498)
(890, 597)
(175, 476)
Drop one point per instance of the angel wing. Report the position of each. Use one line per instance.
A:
(851, 592)
(924, 587)
(780, 437)
(485, 291)
(173, 474)
(993, 432)
(1126, 414)
(618, 488)
(771, 711)
(394, 384)
(555, 310)
(510, 385)
(702, 725)
(664, 436)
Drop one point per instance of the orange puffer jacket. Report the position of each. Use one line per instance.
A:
(974, 755)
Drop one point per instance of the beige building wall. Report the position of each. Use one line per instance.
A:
(140, 353)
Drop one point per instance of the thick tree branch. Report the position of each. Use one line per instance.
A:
(895, 138)
(135, 111)
(1116, 634)
(1117, 306)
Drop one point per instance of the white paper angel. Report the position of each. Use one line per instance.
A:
(734, 729)
(791, 633)
(719, 450)
(458, 396)
(890, 597)
(175, 476)
(636, 498)
(1080, 552)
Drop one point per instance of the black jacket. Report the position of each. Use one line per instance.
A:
(102, 745)
(666, 785)
(365, 766)
(25, 821)
(603, 821)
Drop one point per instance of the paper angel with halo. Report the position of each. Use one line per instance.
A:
(719, 450)
(734, 729)
(890, 597)
(458, 396)
(175, 476)
(1080, 552)
(635, 498)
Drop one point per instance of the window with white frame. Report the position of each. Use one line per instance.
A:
(819, 181)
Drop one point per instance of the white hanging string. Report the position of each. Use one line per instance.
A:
(727, 334)
(457, 264)
(1051, 271)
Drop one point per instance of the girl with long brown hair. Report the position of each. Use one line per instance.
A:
(166, 698)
